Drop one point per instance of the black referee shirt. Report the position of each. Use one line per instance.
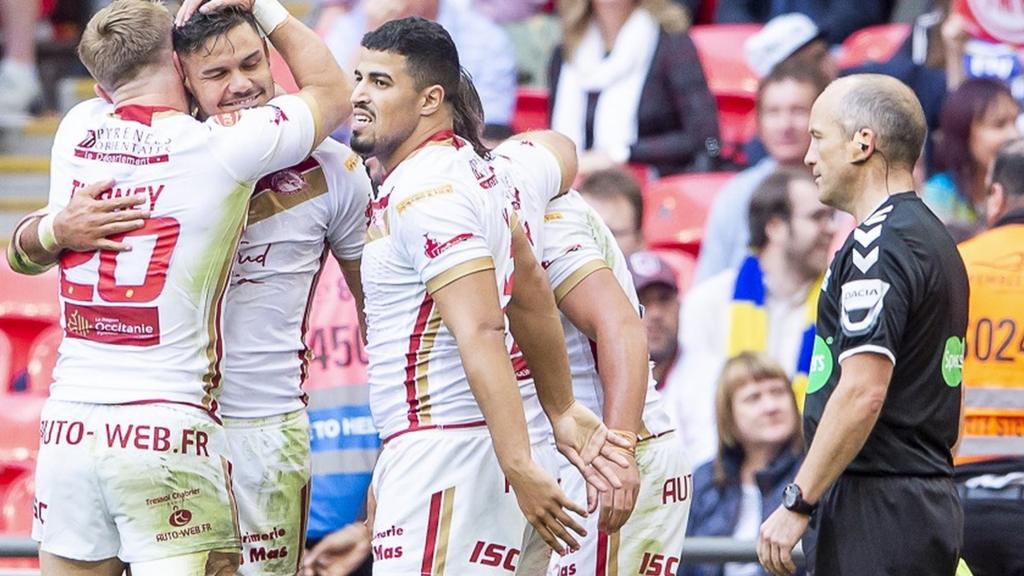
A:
(899, 288)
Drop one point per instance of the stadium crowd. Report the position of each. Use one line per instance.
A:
(674, 135)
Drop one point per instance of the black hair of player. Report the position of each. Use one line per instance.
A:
(193, 35)
(432, 58)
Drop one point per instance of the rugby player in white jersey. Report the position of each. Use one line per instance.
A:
(437, 272)
(641, 526)
(296, 217)
(133, 465)
(602, 325)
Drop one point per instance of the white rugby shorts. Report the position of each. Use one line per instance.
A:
(651, 540)
(271, 482)
(444, 507)
(141, 482)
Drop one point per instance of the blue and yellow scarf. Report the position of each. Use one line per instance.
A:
(748, 321)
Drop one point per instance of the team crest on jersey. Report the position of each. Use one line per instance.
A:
(279, 115)
(433, 248)
(228, 119)
(287, 182)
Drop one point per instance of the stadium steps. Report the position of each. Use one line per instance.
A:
(24, 170)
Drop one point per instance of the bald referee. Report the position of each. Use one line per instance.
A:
(883, 400)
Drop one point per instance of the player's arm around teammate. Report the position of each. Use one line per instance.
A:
(86, 223)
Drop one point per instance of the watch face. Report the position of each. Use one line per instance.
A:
(790, 495)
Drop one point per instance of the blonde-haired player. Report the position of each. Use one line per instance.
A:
(132, 466)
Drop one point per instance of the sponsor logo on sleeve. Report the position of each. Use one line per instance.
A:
(821, 366)
(484, 173)
(433, 248)
(862, 304)
(279, 115)
(953, 361)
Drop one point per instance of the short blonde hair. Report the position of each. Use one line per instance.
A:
(577, 14)
(123, 39)
(742, 369)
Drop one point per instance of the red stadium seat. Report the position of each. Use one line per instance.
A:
(737, 123)
(720, 48)
(42, 357)
(732, 82)
(19, 426)
(531, 112)
(28, 305)
(676, 207)
(17, 491)
(6, 361)
(873, 44)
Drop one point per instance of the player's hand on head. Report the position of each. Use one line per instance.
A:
(545, 507)
(778, 536)
(189, 7)
(87, 222)
(340, 553)
(617, 505)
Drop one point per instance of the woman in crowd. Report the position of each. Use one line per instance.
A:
(977, 119)
(627, 87)
(760, 448)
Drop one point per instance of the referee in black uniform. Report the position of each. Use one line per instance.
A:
(883, 400)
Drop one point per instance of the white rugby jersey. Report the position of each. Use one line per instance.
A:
(577, 243)
(534, 176)
(144, 325)
(296, 216)
(441, 215)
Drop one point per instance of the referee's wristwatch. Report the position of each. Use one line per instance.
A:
(793, 500)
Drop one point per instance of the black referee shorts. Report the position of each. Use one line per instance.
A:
(886, 526)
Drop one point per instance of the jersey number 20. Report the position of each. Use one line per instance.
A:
(166, 231)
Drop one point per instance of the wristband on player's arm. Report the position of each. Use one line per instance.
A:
(269, 14)
(16, 256)
(632, 437)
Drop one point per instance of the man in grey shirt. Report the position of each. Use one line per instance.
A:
(784, 101)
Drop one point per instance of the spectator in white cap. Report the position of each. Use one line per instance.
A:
(658, 289)
(836, 19)
(789, 36)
